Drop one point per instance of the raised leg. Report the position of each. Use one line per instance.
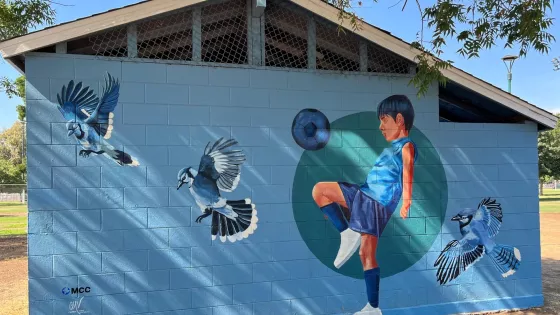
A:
(329, 197)
(325, 193)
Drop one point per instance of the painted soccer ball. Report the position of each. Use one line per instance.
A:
(311, 129)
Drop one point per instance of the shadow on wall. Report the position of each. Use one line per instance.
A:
(127, 230)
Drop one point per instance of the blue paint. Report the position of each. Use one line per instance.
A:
(131, 236)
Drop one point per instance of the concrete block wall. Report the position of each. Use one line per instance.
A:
(130, 236)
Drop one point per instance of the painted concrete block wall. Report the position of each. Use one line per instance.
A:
(129, 235)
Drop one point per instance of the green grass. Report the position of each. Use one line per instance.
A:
(550, 202)
(13, 218)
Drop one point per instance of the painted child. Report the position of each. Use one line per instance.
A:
(368, 207)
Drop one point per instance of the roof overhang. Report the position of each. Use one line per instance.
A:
(18, 46)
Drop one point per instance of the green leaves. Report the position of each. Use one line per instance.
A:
(11, 173)
(556, 64)
(15, 89)
(549, 154)
(18, 16)
(476, 25)
(12, 161)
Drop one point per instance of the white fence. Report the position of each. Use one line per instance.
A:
(12, 197)
(552, 185)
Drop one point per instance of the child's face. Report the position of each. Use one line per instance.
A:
(391, 128)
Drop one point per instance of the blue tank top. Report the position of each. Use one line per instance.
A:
(384, 181)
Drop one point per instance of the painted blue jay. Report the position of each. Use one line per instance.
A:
(220, 169)
(478, 228)
(90, 119)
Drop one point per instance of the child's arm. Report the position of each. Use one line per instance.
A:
(408, 176)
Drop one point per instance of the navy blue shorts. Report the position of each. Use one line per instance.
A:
(367, 215)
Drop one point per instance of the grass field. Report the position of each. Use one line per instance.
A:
(550, 202)
(13, 219)
(13, 216)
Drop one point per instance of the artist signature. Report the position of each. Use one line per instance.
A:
(75, 307)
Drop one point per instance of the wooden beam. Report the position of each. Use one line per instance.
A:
(258, 7)
(132, 41)
(250, 34)
(255, 33)
(196, 35)
(363, 56)
(62, 48)
(285, 47)
(311, 44)
(296, 31)
(90, 25)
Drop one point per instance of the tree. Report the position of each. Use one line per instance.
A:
(556, 63)
(15, 89)
(11, 173)
(16, 18)
(549, 156)
(476, 25)
(12, 143)
(12, 154)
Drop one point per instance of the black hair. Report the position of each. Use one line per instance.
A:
(394, 105)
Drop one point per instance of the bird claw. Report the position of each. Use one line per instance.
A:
(84, 153)
(207, 212)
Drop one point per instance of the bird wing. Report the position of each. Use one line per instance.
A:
(101, 117)
(76, 102)
(455, 258)
(221, 165)
(492, 215)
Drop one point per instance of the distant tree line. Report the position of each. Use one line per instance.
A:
(549, 156)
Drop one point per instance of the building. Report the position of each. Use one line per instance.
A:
(120, 103)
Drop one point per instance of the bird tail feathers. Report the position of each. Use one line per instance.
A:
(507, 259)
(238, 228)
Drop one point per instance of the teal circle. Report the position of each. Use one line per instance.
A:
(354, 145)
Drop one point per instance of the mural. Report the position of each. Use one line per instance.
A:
(220, 170)
(478, 228)
(90, 119)
(311, 129)
(361, 213)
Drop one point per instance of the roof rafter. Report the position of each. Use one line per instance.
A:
(15, 47)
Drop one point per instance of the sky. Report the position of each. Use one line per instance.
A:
(533, 77)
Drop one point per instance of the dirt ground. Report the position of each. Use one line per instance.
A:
(13, 271)
(13, 275)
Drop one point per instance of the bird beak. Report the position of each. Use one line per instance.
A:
(180, 184)
(70, 132)
(456, 218)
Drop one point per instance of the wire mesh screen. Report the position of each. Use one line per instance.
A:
(285, 37)
(336, 50)
(381, 60)
(224, 32)
(168, 37)
(218, 31)
(112, 43)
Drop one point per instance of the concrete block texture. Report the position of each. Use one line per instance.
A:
(141, 246)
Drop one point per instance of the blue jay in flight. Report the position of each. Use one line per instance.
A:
(90, 119)
(478, 228)
(220, 169)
